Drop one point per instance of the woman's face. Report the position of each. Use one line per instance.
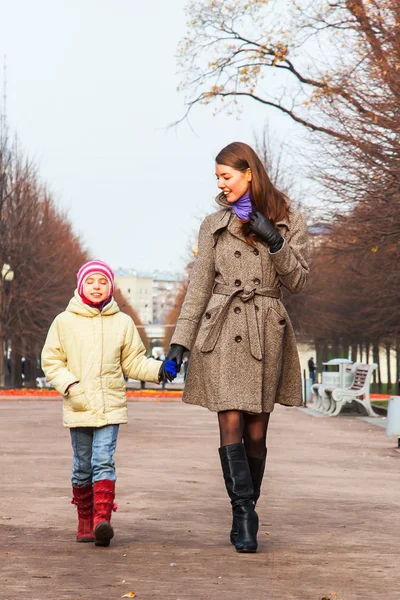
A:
(234, 184)
(96, 288)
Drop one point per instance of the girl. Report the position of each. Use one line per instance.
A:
(89, 348)
(243, 351)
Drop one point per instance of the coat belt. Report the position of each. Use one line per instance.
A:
(246, 294)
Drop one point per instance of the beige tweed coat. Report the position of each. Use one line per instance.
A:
(243, 348)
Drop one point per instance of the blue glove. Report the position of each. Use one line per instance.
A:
(167, 371)
(170, 368)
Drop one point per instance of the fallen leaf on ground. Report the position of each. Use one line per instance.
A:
(129, 595)
(267, 533)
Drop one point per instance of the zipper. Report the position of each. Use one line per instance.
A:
(101, 361)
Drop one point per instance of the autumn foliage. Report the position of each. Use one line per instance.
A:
(38, 242)
(333, 69)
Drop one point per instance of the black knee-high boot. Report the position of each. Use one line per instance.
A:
(257, 468)
(239, 486)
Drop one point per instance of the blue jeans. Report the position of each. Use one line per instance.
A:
(94, 448)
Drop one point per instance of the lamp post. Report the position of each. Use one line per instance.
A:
(7, 275)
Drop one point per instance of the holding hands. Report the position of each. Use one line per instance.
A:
(265, 230)
(172, 363)
(176, 354)
(167, 371)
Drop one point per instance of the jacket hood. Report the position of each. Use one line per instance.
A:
(84, 310)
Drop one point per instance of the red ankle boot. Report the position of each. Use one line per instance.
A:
(104, 492)
(83, 499)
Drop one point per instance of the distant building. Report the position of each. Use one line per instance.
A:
(137, 289)
(152, 295)
(165, 289)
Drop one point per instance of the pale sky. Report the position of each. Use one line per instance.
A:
(91, 89)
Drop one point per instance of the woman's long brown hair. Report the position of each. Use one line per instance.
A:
(265, 197)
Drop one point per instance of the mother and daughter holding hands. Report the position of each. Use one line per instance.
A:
(243, 351)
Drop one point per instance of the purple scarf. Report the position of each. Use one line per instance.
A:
(243, 207)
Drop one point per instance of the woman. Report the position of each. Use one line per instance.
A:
(243, 351)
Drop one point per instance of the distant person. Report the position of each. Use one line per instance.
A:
(312, 369)
(243, 356)
(89, 348)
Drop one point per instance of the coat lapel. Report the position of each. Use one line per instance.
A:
(235, 228)
(221, 222)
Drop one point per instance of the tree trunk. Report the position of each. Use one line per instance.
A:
(16, 371)
(318, 358)
(360, 350)
(354, 352)
(346, 349)
(375, 353)
(367, 351)
(397, 365)
(335, 348)
(2, 363)
(388, 366)
(30, 372)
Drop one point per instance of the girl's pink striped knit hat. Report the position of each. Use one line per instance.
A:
(95, 266)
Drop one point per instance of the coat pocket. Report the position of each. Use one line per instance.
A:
(274, 338)
(76, 398)
(206, 325)
(275, 329)
(276, 320)
(116, 392)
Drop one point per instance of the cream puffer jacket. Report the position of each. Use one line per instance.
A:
(95, 349)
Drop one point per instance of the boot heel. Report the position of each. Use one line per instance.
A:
(103, 534)
(247, 521)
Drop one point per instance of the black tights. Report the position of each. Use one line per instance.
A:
(236, 427)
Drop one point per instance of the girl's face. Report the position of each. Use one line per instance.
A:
(96, 288)
(234, 184)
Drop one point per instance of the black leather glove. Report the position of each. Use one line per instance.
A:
(265, 230)
(176, 353)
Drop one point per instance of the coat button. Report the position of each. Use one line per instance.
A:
(208, 316)
(282, 322)
(238, 282)
(256, 251)
(257, 308)
(238, 339)
(238, 254)
(257, 281)
(237, 310)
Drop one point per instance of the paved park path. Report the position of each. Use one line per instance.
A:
(330, 512)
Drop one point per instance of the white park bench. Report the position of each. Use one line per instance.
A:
(323, 391)
(359, 391)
